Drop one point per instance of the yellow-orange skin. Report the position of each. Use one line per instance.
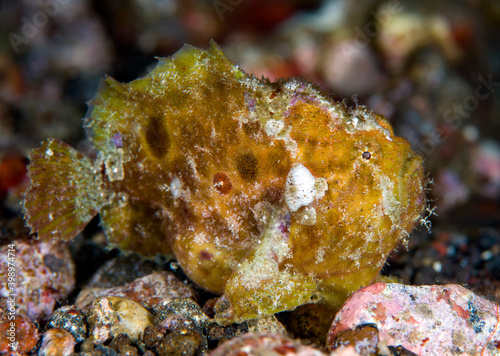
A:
(188, 163)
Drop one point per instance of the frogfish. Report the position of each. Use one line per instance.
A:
(270, 194)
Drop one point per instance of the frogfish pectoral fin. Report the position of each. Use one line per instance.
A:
(65, 192)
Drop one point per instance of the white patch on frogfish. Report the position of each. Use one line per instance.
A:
(274, 127)
(302, 188)
(176, 187)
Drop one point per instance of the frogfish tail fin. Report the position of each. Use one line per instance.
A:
(64, 193)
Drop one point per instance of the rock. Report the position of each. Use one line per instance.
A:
(426, 320)
(208, 307)
(310, 321)
(152, 291)
(218, 333)
(109, 316)
(182, 341)
(121, 344)
(87, 345)
(345, 351)
(266, 325)
(21, 334)
(400, 351)
(102, 350)
(45, 273)
(364, 339)
(57, 342)
(153, 335)
(70, 319)
(121, 270)
(182, 312)
(127, 350)
(266, 345)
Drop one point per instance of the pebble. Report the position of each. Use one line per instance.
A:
(364, 339)
(183, 341)
(25, 337)
(152, 291)
(45, 274)
(153, 335)
(266, 345)
(121, 344)
(121, 270)
(208, 307)
(57, 342)
(102, 350)
(266, 325)
(70, 319)
(217, 333)
(425, 320)
(127, 350)
(346, 351)
(182, 312)
(310, 321)
(87, 345)
(110, 316)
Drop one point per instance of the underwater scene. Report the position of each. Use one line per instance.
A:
(249, 177)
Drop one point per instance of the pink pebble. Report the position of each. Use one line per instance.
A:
(427, 320)
(268, 345)
(44, 274)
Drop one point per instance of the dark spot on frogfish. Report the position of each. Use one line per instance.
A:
(251, 128)
(366, 155)
(247, 166)
(205, 255)
(157, 137)
(222, 183)
(273, 195)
